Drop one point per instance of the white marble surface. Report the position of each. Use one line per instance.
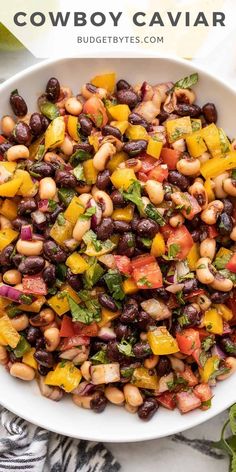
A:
(187, 453)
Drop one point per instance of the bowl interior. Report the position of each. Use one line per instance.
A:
(24, 399)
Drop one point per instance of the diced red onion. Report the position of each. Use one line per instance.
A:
(26, 232)
(97, 217)
(11, 293)
(156, 309)
(106, 334)
(170, 279)
(38, 217)
(182, 269)
(38, 237)
(83, 388)
(217, 351)
(43, 205)
(226, 328)
(174, 288)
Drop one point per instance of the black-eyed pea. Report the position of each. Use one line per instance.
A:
(233, 234)
(85, 198)
(53, 324)
(47, 188)
(185, 95)
(204, 157)
(177, 364)
(19, 151)
(83, 189)
(222, 284)
(219, 185)
(228, 187)
(179, 145)
(188, 166)
(5, 223)
(29, 248)
(52, 338)
(73, 106)
(12, 277)
(176, 220)
(67, 146)
(3, 355)
(54, 393)
(131, 409)
(106, 202)
(208, 248)
(230, 363)
(151, 362)
(44, 318)
(82, 401)
(203, 272)
(81, 227)
(85, 370)
(155, 191)
(65, 93)
(132, 395)
(22, 371)
(204, 302)
(198, 191)
(212, 212)
(7, 125)
(20, 322)
(102, 156)
(134, 164)
(114, 395)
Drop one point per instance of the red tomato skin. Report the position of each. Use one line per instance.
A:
(183, 238)
(142, 260)
(67, 329)
(188, 341)
(123, 264)
(95, 107)
(166, 231)
(231, 303)
(203, 392)
(146, 267)
(74, 341)
(148, 163)
(195, 208)
(167, 399)
(170, 157)
(189, 376)
(2, 139)
(86, 330)
(231, 265)
(158, 173)
(187, 401)
(212, 231)
(34, 284)
(142, 176)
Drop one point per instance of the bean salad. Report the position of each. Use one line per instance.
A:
(118, 245)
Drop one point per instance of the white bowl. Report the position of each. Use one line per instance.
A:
(24, 399)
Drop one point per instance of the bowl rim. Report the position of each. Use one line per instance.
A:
(202, 417)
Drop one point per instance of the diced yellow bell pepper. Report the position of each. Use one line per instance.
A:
(161, 341)
(28, 188)
(115, 160)
(195, 144)
(154, 148)
(60, 233)
(107, 316)
(224, 311)
(177, 129)
(55, 133)
(9, 166)
(65, 375)
(10, 188)
(90, 172)
(158, 247)
(123, 214)
(142, 379)
(119, 112)
(217, 165)
(8, 334)
(211, 137)
(105, 249)
(209, 190)
(72, 127)
(193, 256)
(120, 125)
(93, 140)
(4, 302)
(28, 358)
(129, 286)
(210, 366)
(74, 210)
(223, 252)
(77, 263)
(106, 81)
(196, 124)
(213, 321)
(224, 142)
(123, 178)
(9, 209)
(136, 132)
(59, 302)
(6, 237)
(34, 307)
(34, 147)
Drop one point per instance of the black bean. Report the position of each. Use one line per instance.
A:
(185, 109)
(134, 222)
(225, 224)
(219, 297)
(65, 179)
(18, 104)
(228, 345)
(191, 316)
(36, 124)
(210, 113)
(51, 217)
(181, 181)
(161, 293)
(105, 229)
(84, 146)
(40, 343)
(142, 350)
(122, 85)
(135, 147)
(121, 226)
(103, 180)
(26, 206)
(33, 334)
(122, 331)
(164, 366)
(190, 286)
(86, 125)
(98, 402)
(45, 122)
(148, 409)
(17, 259)
(117, 198)
(73, 280)
(109, 130)
(147, 228)
(144, 320)
(43, 370)
(113, 353)
(53, 89)
(136, 119)
(31, 265)
(196, 235)
(228, 206)
(107, 302)
(130, 312)
(98, 345)
(44, 169)
(22, 133)
(44, 358)
(4, 147)
(49, 275)
(195, 222)
(126, 245)
(53, 252)
(163, 115)
(127, 97)
(5, 255)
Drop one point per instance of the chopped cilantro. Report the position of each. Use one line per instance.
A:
(93, 273)
(186, 82)
(144, 281)
(173, 250)
(99, 358)
(79, 173)
(180, 297)
(176, 382)
(52, 205)
(61, 219)
(113, 280)
(208, 342)
(126, 348)
(152, 212)
(79, 155)
(133, 194)
(88, 213)
(85, 314)
(91, 237)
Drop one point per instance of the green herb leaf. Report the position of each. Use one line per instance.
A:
(99, 119)
(91, 237)
(78, 156)
(66, 194)
(176, 382)
(40, 153)
(88, 213)
(180, 297)
(186, 82)
(113, 280)
(144, 281)
(52, 205)
(152, 212)
(133, 194)
(99, 358)
(22, 347)
(61, 271)
(228, 275)
(228, 445)
(207, 343)
(93, 273)
(61, 219)
(146, 242)
(79, 173)
(86, 314)
(173, 250)
(125, 348)
(48, 109)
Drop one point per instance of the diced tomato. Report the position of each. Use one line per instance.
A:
(188, 340)
(203, 392)
(196, 355)
(123, 264)
(182, 240)
(82, 329)
(231, 303)
(226, 328)
(187, 401)
(231, 265)
(202, 333)
(195, 293)
(166, 231)
(193, 207)
(167, 399)
(142, 176)
(74, 341)
(189, 376)
(146, 272)
(94, 107)
(158, 173)
(34, 284)
(2, 139)
(67, 327)
(212, 231)
(148, 163)
(170, 157)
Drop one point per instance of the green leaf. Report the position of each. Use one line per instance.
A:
(78, 156)
(125, 348)
(144, 281)
(88, 213)
(173, 250)
(133, 194)
(52, 205)
(22, 347)
(99, 119)
(146, 242)
(180, 297)
(93, 273)
(232, 419)
(86, 314)
(176, 382)
(186, 82)
(91, 237)
(220, 262)
(152, 212)
(40, 153)
(48, 109)
(66, 194)
(79, 173)
(228, 275)
(61, 271)
(228, 445)
(113, 280)
(99, 358)
(207, 343)
(61, 219)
